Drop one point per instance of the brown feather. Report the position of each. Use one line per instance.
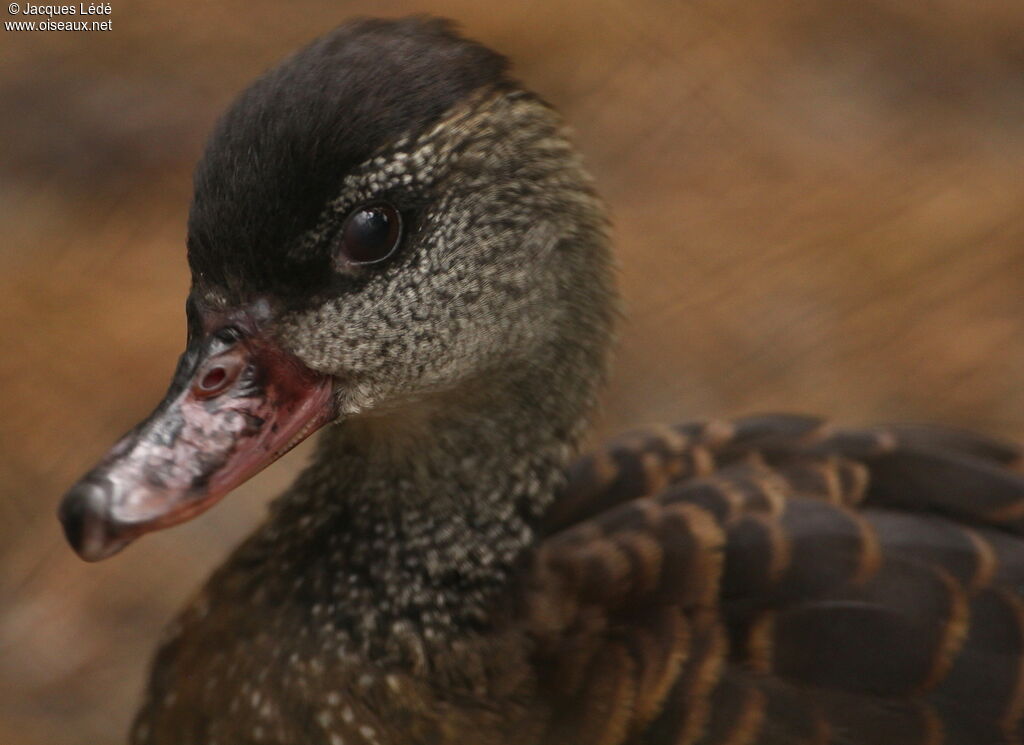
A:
(779, 580)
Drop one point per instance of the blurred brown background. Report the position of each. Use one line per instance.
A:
(818, 207)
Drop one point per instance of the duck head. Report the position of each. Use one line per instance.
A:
(383, 221)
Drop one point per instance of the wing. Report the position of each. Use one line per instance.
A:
(778, 580)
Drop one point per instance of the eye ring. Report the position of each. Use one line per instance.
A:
(370, 234)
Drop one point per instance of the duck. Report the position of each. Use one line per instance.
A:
(393, 241)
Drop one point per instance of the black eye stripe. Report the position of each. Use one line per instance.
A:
(370, 234)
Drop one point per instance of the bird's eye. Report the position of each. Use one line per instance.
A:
(370, 234)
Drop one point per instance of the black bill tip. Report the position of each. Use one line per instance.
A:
(83, 514)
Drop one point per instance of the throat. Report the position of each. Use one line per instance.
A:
(411, 532)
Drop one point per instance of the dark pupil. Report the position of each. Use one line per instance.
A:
(369, 235)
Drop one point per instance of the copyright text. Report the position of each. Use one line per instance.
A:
(34, 17)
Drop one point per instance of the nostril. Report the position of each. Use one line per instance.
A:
(217, 378)
(213, 379)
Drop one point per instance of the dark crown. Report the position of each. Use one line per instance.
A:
(280, 152)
